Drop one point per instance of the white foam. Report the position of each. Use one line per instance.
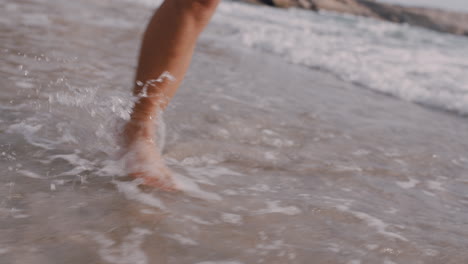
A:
(230, 192)
(372, 246)
(219, 262)
(111, 168)
(199, 160)
(191, 188)
(149, 3)
(24, 84)
(20, 216)
(209, 171)
(80, 164)
(392, 210)
(271, 140)
(271, 245)
(224, 133)
(428, 193)
(413, 64)
(234, 219)
(13, 212)
(29, 132)
(4, 250)
(269, 132)
(387, 261)
(411, 183)
(260, 188)
(30, 174)
(430, 252)
(334, 247)
(131, 192)
(182, 240)
(215, 107)
(374, 222)
(197, 220)
(112, 22)
(35, 19)
(129, 250)
(270, 155)
(435, 185)
(274, 207)
(347, 168)
(147, 211)
(361, 152)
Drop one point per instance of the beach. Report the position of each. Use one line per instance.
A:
(297, 137)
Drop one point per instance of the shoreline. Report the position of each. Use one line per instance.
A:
(430, 18)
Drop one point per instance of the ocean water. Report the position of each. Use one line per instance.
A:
(413, 64)
(298, 138)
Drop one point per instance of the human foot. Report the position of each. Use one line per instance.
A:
(143, 159)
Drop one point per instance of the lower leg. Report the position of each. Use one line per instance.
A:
(166, 52)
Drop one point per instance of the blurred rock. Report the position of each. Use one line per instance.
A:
(435, 19)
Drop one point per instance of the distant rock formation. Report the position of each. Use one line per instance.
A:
(435, 19)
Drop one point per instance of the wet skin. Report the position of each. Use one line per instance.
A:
(168, 45)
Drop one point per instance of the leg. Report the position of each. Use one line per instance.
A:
(168, 46)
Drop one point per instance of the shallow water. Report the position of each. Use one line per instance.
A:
(283, 163)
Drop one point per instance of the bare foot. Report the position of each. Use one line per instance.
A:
(143, 159)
